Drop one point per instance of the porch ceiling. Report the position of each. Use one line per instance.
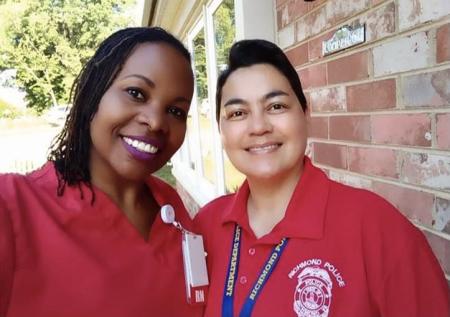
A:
(173, 15)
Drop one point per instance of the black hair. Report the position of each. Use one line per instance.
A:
(70, 150)
(246, 53)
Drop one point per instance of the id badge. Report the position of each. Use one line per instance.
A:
(195, 271)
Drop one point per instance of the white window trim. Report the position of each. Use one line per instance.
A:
(253, 19)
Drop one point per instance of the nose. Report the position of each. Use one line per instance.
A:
(259, 123)
(155, 117)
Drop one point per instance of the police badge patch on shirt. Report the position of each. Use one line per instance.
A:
(313, 293)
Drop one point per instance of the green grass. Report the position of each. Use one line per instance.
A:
(165, 173)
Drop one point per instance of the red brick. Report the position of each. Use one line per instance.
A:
(372, 96)
(298, 55)
(430, 170)
(315, 45)
(427, 89)
(348, 68)
(443, 131)
(380, 23)
(351, 128)
(284, 15)
(327, 99)
(318, 127)
(351, 180)
(443, 44)
(441, 248)
(312, 24)
(415, 13)
(404, 129)
(414, 204)
(313, 76)
(375, 2)
(299, 9)
(402, 54)
(370, 161)
(316, 3)
(441, 215)
(279, 19)
(330, 154)
(341, 10)
(281, 2)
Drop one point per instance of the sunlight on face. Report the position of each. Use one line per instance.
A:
(262, 124)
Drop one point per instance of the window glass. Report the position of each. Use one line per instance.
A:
(224, 32)
(203, 108)
(224, 36)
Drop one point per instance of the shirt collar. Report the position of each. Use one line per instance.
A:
(305, 213)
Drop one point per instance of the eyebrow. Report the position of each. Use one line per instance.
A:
(182, 99)
(269, 95)
(148, 81)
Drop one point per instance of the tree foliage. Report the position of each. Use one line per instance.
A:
(224, 35)
(224, 31)
(48, 41)
(200, 65)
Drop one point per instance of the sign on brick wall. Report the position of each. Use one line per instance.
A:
(345, 37)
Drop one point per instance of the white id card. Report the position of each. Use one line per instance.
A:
(195, 271)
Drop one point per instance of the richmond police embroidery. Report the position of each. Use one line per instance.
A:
(313, 293)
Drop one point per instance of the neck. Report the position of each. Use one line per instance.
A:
(268, 201)
(134, 199)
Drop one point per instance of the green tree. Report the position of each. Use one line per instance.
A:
(224, 31)
(48, 41)
(200, 65)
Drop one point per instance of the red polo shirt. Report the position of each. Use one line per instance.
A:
(349, 253)
(62, 256)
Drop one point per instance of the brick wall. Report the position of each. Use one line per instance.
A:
(380, 111)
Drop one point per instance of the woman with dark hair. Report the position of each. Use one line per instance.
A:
(292, 242)
(82, 235)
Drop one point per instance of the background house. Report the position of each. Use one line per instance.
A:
(380, 109)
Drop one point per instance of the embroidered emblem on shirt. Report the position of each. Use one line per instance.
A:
(313, 293)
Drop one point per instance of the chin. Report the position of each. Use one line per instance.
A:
(262, 174)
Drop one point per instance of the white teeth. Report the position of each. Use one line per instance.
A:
(263, 149)
(141, 146)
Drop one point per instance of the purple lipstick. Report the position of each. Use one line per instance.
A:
(142, 148)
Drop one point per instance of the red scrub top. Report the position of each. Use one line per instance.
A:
(349, 253)
(63, 257)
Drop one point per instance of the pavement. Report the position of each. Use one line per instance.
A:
(24, 144)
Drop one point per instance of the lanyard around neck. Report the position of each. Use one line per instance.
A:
(233, 266)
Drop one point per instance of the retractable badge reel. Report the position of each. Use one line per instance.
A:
(195, 273)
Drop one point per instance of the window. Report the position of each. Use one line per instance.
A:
(201, 166)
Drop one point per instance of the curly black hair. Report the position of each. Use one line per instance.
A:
(71, 148)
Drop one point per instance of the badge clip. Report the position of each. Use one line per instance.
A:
(195, 272)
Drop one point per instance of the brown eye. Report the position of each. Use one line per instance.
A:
(236, 114)
(177, 112)
(277, 107)
(136, 94)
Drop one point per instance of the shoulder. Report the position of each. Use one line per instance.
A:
(166, 194)
(160, 185)
(362, 202)
(379, 223)
(371, 216)
(12, 184)
(212, 212)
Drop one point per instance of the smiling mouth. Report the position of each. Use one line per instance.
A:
(265, 148)
(140, 146)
